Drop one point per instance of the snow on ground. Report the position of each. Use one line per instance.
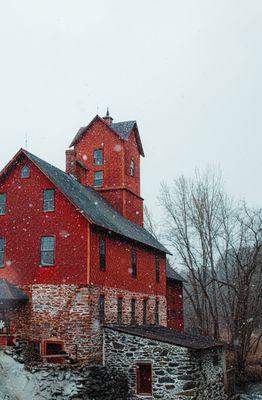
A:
(15, 382)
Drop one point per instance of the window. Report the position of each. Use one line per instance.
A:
(98, 157)
(133, 311)
(2, 203)
(144, 378)
(25, 173)
(145, 311)
(2, 252)
(102, 308)
(119, 310)
(157, 313)
(47, 250)
(157, 269)
(4, 326)
(102, 254)
(49, 200)
(134, 263)
(98, 178)
(54, 348)
(132, 168)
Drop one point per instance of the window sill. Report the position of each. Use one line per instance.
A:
(46, 266)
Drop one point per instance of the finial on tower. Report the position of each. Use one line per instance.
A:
(108, 119)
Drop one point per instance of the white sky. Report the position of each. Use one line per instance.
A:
(189, 72)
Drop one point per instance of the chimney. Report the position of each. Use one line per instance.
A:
(71, 162)
(108, 119)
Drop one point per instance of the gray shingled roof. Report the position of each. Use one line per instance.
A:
(168, 335)
(122, 129)
(10, 292)
(94, 206)
(172, 274)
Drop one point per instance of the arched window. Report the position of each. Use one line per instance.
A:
(132, 168)
(25, 173)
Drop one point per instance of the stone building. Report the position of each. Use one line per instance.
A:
(74, 254)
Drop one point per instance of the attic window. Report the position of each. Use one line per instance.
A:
(98, 178)
(2, 203)
(98, 157)
(25, 173)
(132, 167)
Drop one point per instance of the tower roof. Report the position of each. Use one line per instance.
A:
(121, 129)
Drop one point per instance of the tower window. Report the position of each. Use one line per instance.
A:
(47, 250)
(49, 200)
(25, 173)
(144, 378)
(102, 249)
(2, 203)
(98, 178)
(102, 308)
(134, 263)
(119, 310)
(98, 157)
(132, 167)
(2, 252)
(157, 269)
(133, 311)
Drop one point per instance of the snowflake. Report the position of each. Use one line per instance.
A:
(2, 324)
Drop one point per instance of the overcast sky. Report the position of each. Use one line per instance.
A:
(189, 72)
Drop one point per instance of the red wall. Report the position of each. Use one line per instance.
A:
(118, 267)
(25, 223)
(174, 296)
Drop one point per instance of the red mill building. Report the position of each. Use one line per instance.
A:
(81, 278)
(74, 246)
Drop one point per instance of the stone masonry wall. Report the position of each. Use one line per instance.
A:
(176, 371)
(70, 313)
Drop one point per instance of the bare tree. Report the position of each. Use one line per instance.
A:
(219, 244)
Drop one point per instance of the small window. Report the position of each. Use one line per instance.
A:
(144, 378)
(2, 252)
(119, 310)
(47, 250)
(25, 173)
(134, 263)
(2, 203)
(49, 200)
(54, 348)
(102, 246)
(98, 178)
(145, 311)
(98, 157)
(133, 311)
(132, 168)
(102, 308)
(157, 269)
(157, 312)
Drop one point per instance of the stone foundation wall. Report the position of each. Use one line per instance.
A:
(177, 373)
(70, 313)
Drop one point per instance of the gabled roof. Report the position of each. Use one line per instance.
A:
(122, 129)
(168, 335)
(10, 292)
(172, 274)
(93, 206)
